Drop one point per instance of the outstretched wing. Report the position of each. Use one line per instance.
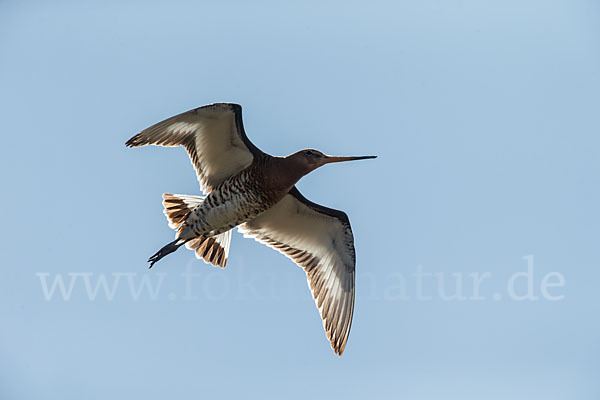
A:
(318, 239)
(212, 135)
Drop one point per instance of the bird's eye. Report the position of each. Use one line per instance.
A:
(309, 153)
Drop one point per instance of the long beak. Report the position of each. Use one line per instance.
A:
(332, 159)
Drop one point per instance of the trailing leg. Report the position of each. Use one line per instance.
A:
(166, 250)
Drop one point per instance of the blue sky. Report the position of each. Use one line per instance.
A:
(485, 119)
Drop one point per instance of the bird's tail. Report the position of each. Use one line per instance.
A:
(213, 250)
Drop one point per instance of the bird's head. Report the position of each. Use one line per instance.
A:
(309, 159)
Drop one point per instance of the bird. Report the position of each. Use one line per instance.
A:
(256, 192)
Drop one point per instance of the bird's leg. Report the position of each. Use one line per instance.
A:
(166, 250)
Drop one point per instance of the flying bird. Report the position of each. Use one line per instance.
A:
(255, 192)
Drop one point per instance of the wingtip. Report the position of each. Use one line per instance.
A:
(134, 141)
(338, 349)
(130, 142)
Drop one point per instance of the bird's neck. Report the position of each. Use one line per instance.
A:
(282, 173)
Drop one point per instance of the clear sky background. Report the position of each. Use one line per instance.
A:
(486, 120)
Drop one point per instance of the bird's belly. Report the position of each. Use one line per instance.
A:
(219, 213)
(225, 216)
